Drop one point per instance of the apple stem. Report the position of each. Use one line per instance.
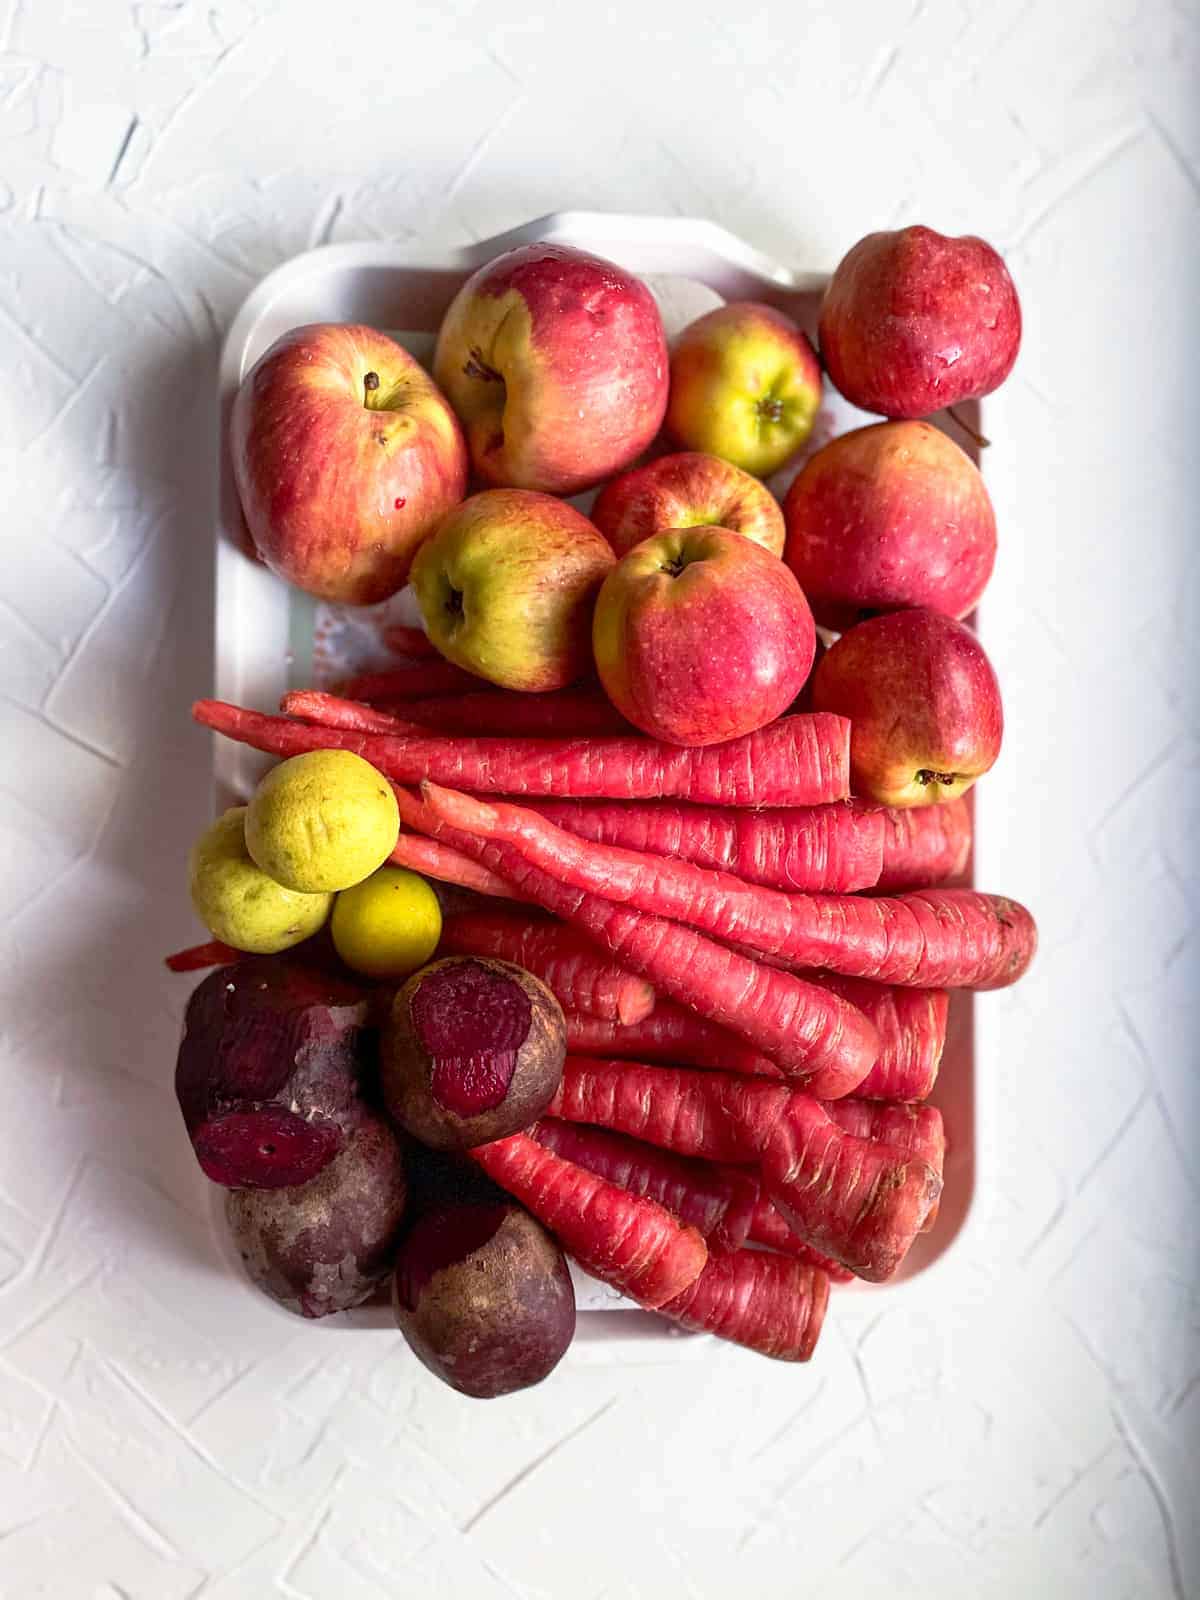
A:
(370, 384)
(976, 438)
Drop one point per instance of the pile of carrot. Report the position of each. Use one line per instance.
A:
(755, 970)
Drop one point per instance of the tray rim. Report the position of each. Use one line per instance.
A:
(591, 230)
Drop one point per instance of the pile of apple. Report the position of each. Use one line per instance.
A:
(552, 377)
(681, 611)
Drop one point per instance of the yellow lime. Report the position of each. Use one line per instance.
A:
(322, 821)
(388, 926)
(238, 902)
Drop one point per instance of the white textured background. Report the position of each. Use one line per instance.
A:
(1024, 1421)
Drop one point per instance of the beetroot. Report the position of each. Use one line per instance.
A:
(326, 1245)
(267, 1072)
(472, 1051)
(483, 1296)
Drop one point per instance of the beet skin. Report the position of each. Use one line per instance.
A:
(328, 1244)
(267, 1073)
(484, 1298)
(472, 1051)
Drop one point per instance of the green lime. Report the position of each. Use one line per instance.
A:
(322, 821)
(387, 926)
(238, 902)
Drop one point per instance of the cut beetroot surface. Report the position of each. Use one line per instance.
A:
(472, 1021)
(282, 1149)
(472, 1050)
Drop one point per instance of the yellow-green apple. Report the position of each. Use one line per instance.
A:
(888, 516)
(745, 385)
(687, 490)
(345, 455)
(913, 321)
(556, 362)
(700, 635)
(506, 588)
(923, 702)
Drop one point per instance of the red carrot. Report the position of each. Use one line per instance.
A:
(199, 956)
(808, 1032)
(860, 1200)
(795, 761)
(717, 1201)
(924, 845)
(408, 641)
(767, 1303)
(951, 938)
(435, 860)
(631, 1243)
(911, 1024)
(930, 938)
(769, 1228)
(836, 847)
(909, 1130)
(567, 962)
(674, 1034)
(408, 683)
(857, 1200)
(716, 1116)
(331, 711)
(568, 713)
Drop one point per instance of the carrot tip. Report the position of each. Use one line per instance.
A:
(459, 810)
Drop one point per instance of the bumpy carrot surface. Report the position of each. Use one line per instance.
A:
(857, 1200)
(670, 1033)
(577, 971)
(952, 938)
(436, 860)
(924, 845)
(908, 1129)
(836, 847)
(718, 1201)
(633, 1244)
(808, 1032)
(911, 1024)
(569, 713)
(332, 711)
(768, 1228)
(800, 760)
(716, 1116)
(771, 1304)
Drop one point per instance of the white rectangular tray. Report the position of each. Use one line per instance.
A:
(270, 637)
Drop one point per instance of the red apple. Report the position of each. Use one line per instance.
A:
(506, 588)
(700, 635)
(745, 385)
(688, 490)
(556, 362)
(923, 703)
(888, 516)
(345, 455)
(913, 321)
